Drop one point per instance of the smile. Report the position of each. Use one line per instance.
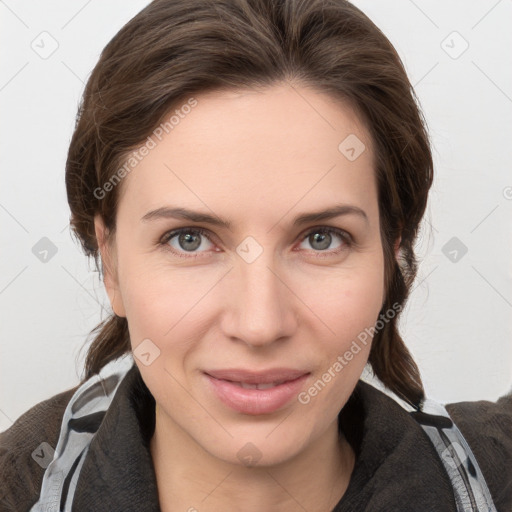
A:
(255, 398)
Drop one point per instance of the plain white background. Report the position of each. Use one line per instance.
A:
(458, 322)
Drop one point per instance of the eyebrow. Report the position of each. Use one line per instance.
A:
(205, 218)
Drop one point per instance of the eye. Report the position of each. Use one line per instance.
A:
(321, 238)
(187, 241)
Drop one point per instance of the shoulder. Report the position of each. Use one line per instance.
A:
(26, 449)
(487, 427)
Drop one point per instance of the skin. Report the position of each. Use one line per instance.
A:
(257, 158)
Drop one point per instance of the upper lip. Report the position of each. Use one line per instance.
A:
(260, 377)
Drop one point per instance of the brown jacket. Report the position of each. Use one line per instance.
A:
(397, 467)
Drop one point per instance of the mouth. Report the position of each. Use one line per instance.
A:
(272, 376)
(246, 385)
(255, 398)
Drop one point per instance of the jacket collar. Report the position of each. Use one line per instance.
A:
(118, 472)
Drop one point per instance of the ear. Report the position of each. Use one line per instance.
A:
(397, 251)
(397, 246)
(109, 264)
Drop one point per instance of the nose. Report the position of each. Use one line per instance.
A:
(261, 304)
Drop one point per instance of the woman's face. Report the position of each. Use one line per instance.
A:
(269, 291)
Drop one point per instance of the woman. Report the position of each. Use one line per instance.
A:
(250, 176)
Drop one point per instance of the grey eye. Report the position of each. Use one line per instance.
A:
(187, 240)
(322, 239)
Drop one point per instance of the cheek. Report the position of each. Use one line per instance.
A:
(149, 299)
(361, 304)
(168, 306)
(349, 307)
(348, 300)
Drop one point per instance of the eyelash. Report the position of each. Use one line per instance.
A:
(346, 238)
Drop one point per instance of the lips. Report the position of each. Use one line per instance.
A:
(255, 393)
(251, 378)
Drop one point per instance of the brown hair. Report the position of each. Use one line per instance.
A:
(174, 49)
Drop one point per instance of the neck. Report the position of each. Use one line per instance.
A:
(191, 479)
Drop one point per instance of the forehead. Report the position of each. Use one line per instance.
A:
(255, 151)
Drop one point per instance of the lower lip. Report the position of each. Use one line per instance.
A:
(256, 401)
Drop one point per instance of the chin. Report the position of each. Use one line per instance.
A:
(256, 450)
